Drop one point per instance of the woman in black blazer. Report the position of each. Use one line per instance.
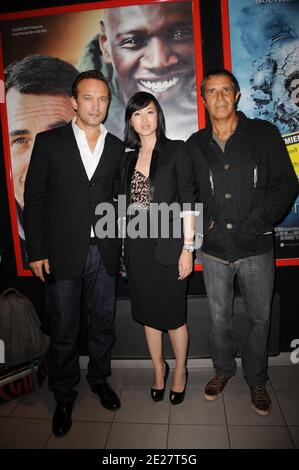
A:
(156, 171)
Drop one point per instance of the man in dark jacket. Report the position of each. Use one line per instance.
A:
(72, 169)
(246, 183)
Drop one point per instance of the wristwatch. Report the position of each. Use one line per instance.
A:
(189, 248)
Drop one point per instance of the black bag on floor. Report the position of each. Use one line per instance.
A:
(20, 331)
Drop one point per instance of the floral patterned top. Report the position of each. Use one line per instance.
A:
(140, 190)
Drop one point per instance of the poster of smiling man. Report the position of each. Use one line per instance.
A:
(261, 46)
(151, 45)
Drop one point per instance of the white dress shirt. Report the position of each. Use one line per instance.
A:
(90, 159)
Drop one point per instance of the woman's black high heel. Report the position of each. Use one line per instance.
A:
(158, 394)
(178, 397)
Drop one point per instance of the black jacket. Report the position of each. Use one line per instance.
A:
(171, 180)
(60, 202)
(245, 191)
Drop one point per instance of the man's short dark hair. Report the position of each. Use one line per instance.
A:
(217, 73)
(96, 75)
(40, 75)
(139, 101)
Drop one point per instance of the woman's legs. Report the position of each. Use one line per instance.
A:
(179, 343)
(154, 344)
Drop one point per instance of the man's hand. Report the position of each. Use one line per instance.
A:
(37, 268)
(185, 264)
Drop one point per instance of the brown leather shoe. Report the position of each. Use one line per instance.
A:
(260, 400)
(214, 388)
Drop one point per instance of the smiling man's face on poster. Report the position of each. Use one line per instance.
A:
(150, 48)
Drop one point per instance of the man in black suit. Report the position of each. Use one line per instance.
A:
(72, 170)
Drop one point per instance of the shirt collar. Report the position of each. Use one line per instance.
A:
(78, 131)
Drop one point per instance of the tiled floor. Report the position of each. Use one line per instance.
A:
(228, 422)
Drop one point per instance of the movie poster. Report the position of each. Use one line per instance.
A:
(153, 46)
(261, 45)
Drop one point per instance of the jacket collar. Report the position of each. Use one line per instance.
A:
(158, 149)
(241, 128)
(70, 142)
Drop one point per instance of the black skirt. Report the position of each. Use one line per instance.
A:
(158, 298)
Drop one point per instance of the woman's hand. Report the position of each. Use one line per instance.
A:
(185, 264)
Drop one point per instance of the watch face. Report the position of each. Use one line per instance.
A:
(189, 249)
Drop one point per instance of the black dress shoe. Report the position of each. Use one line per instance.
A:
(178, 397)
(108, 397)
(157, 394)
(62, 419)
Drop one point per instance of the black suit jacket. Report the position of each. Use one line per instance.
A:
(60, 202)
(172, 179)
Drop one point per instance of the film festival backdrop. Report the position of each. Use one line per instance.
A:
(260, 42)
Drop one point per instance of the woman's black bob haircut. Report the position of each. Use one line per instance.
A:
(139, 101)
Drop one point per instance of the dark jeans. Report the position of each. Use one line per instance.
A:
(255, 277)
(63, 299)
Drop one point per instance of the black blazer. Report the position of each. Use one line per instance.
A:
(172, 179)
(60, 202)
